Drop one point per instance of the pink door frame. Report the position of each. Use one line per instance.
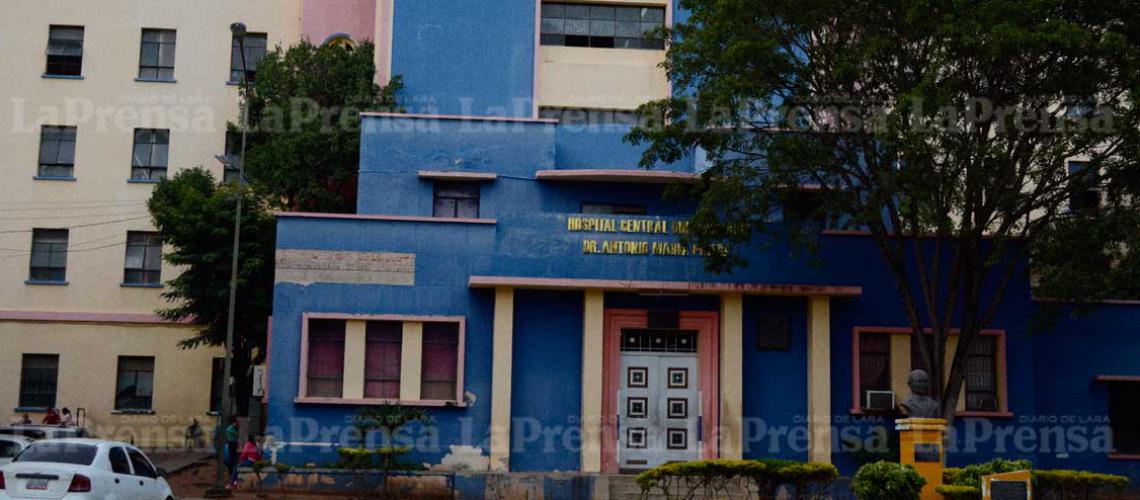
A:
(707, 324)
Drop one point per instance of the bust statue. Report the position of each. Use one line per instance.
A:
(920, 404)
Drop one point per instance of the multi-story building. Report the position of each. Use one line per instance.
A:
(514, 271)
(100, 101)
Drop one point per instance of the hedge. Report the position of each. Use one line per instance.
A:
(723, 477)
(887, 481)
(965, 484)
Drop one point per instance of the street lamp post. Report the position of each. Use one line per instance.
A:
(224, 416)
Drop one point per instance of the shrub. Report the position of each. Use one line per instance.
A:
(971, 475)
(952, 492)
(1077, 485)
(887, 481)
(731, 478)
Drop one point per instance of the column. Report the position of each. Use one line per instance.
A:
(354, 354)
(411, 360)
(504, 325)
(731, 376)
(593, 327)
(819, 379)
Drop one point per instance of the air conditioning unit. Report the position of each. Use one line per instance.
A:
(879, 401)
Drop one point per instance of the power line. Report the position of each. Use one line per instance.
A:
(64, 206)
(104, 223)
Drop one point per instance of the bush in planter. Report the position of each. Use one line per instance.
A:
(887, 481)
(954, 492)
(729, 478)
(1077, 485)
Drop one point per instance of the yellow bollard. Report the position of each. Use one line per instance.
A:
(920, 445)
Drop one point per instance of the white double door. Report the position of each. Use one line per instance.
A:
(658, 409)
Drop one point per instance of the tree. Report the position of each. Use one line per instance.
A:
(195, 216)
(941, 127)
(304, 151)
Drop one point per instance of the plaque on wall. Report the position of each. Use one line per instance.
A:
(773, 333)
(927, 452)
(1008, 486)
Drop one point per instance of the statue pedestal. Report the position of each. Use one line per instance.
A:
(920, 445)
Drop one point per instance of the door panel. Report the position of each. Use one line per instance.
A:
(658, 402)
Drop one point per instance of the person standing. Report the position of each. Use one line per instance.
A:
(232, 432)
(66, 420)
(51, 418)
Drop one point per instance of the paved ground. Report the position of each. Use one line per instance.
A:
(192, 482)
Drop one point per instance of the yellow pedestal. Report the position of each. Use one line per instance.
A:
(920, 445)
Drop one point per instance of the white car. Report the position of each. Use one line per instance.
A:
(78, 469)
(10, 446)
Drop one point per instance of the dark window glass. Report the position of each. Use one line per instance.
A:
(981, 375)
(141, 465)
(57, 151)
(39, 375)
(150, 154)
(440, 361)
(1124, 416)
(456, 200)
(144, 259)
(217, 377)
(135, 387)
(612, 209)
(65, 51)
(156, 57)
(1083, 183)
(58, 453)
(603, 26)
(256, 45)
(325, 376)
(119, 462)
(382, 359)
(8, 449)
(874, 363)
(49, 255)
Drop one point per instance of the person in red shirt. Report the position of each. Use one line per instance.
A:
(52, 417)
(250, 454)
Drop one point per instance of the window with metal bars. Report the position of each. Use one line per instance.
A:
(49, 255)
(874, 363)
(981, 383)
(150, 155)
(39, 375)
(156, 55)
(57, 152)
(65, 51)
(144, 259)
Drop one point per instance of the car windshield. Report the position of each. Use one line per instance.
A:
(59, 453)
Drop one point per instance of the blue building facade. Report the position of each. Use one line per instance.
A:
(524, 281)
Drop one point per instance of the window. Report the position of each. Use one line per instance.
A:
(39, 374)
(440, 356)
(981, 375)
(1083, 192)
(382, 359)
(456, 200)
(582, 25)
(255, 47)
(217, 377)
(584, 117)
(232, 156)
(144, 259)
(57, 151)
(134, 389)
(58, 453)
(326, 358)
(152, 147)
(156, 57)
(612, 209)
(49, 256)
(8, 449)
(874, 363)
(65, 51)
(1124, 416)
(141, 465)
(119, 462)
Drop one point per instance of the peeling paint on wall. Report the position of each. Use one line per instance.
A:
(327, 266)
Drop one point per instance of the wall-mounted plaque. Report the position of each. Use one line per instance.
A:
(773, 333)
(927, 452)
(1008, 486)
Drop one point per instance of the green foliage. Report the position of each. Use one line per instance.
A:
(282, 468)
(195, 217)
(950, 475)
(387, 421)
(948, 121)
(734, 477)
(887, 481)
(952, 492)
(971, 475)
(304, 151)
(1077, 485)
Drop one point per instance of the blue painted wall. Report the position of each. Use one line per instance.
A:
(775, 382)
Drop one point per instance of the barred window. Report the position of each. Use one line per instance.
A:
(156, 57)
(874, 363)
(39, 374)
(57, 151)
(134, 389)
(144, 259)
(65, 51)
(981, 375)
(606, 26)
(256, 45)
(49, 255)
(151, 153)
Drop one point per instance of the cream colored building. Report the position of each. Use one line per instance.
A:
(99, 329)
